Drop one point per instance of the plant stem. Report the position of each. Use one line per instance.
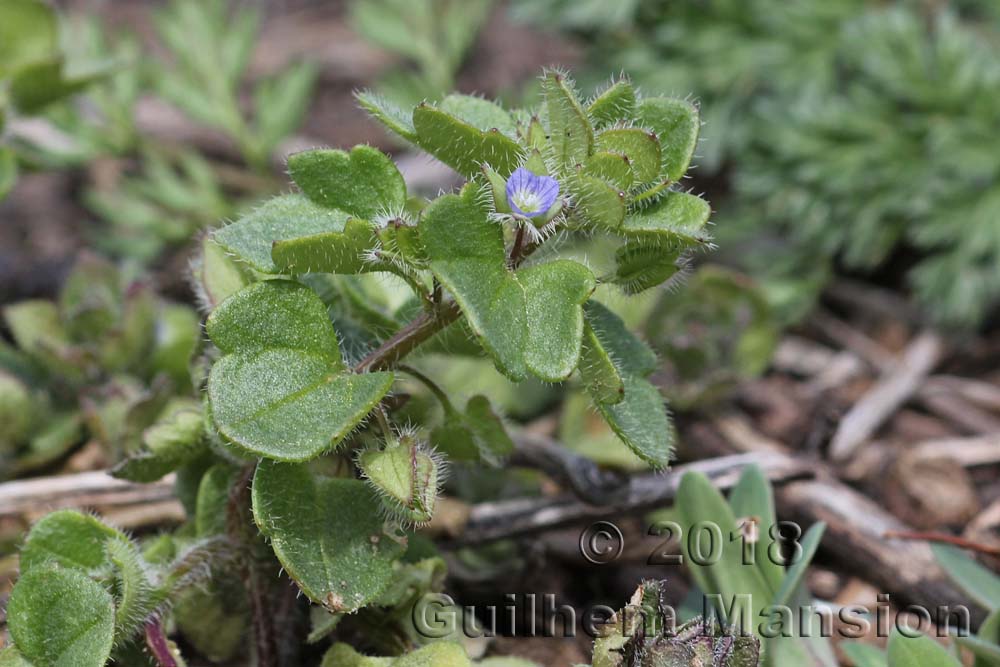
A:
(426, 325)
(429, 383)
(238, 529)
(158, 644)
(408, 338)
(517, 251)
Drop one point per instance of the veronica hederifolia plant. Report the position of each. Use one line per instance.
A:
(305, 461)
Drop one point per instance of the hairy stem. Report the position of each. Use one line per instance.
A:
(426, 325)
(239, 528)
(408, 338)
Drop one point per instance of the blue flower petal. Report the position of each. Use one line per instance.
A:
(524, 186)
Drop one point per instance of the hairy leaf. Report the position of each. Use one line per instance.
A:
(569, 129)
(69, 539)
(678, 220)
(640, 147)
(362, 183)
(282, 218)
(676, 124)
(528, 320)
(60, 617)
(614, 104)
(462, 146)
(326, 532)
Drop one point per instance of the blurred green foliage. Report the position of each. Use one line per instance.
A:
(851, 135)
(433, 38)
(100, 362)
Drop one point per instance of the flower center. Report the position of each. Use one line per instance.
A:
(527, 200)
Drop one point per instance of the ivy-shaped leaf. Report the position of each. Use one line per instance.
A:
(61, 617)
(281, 391)
(327, 533)
(362, 183)
(528, 320)
(639, 415)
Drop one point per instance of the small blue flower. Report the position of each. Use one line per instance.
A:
(531, 195)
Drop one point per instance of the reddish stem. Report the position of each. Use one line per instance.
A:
(159, 646)
(944, 538)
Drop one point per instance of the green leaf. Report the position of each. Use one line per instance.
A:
(69, 539)
(405, 476)
(11, 657)
(985, 646)
(389, 114)
(553, 295)
(326, 532)
(616, 103)
(864, 655)
(569, 129)
(676, 124)
(752, 498)
(362, 183)
(599, 373)
(479, 113)
(329, 252)
(274, 313)
(612, 168)
(135, 599)
(282, 218)
(640, 147)
(218, 274)
(289, 405)
(462, 146)
(438, 654)
(282, 101)
(597, 203)
(797, 572)
(640, 266)
(678, 221)
(61, 618)
(177, 438)
(282, 391)
(213, 496)
(8, 166)
(641, 421)
(919, 651)
(528, 320)
(29, 33)
(630, 354)
(476, 434)
(37, 329)
(978, 583)
(699, 503)
(35, 86)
